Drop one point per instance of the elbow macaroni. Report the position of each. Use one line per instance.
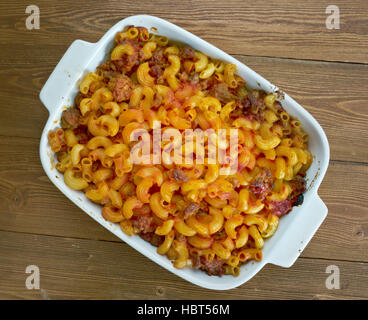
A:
(194, 214)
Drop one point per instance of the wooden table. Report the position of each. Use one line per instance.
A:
(285, 41)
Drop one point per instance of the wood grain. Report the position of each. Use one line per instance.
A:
(34, 205)
(333, 93)
(284, 28)
(285, 41)
(89, 269)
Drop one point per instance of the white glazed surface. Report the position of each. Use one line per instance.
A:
(295, 229)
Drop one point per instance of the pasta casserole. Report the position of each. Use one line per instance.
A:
(177, 149)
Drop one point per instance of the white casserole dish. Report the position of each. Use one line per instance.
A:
(295, 229)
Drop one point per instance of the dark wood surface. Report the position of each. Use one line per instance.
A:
(285, 41)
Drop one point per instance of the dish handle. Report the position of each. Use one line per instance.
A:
(64, 74)
(288, 251)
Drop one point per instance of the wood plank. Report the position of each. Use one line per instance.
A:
(89, 269)
(289, 29)
(32, 204)
(333, 93)
(77, 257)
(344, 233)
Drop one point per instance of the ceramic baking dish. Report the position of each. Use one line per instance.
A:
(295, 229)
